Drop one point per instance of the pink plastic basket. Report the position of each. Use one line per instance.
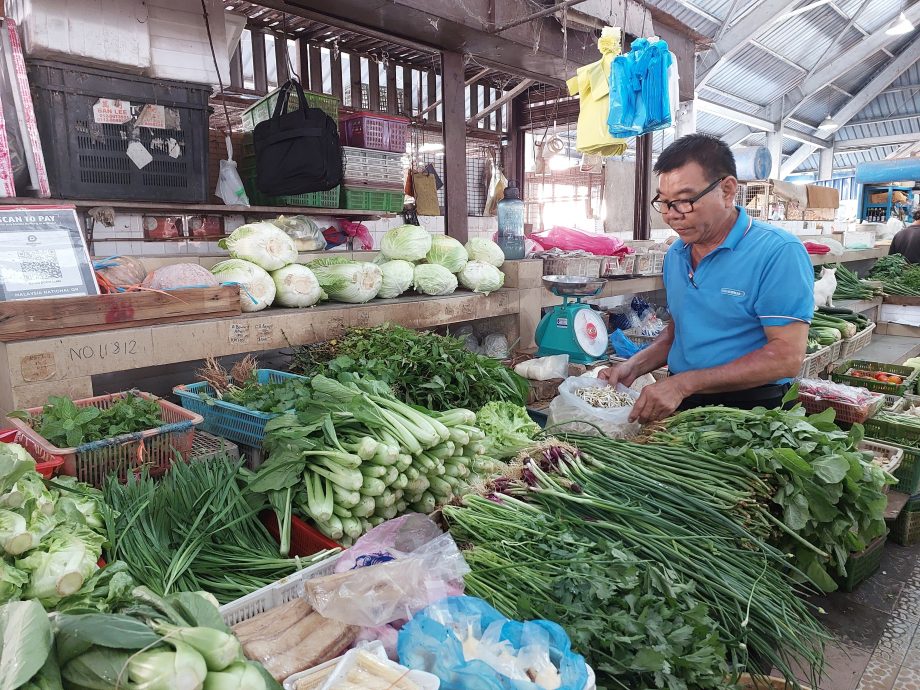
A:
(92, 462)
(374, 131)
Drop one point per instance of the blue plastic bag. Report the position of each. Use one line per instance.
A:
(623, 346)
(432, 642)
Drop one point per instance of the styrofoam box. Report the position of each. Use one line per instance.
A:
(179, 46)
(111, 33)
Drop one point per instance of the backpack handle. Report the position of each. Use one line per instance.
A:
(283, 97)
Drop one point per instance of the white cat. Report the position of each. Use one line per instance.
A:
(825, 287)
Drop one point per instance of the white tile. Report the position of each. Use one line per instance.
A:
(231, 223)
(104, 249)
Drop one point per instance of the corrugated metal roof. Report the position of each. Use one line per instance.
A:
(875, 15)
(848, 159)
(891, 104)
(856, 78)
(684, 11)
(730, 101)
(713, 124)
(804, 38)
(879, 129)
(910, 77)
(818, 106)
(756, 75)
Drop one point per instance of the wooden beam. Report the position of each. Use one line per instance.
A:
(392, 93)
(486, 101)
(507, 96)
(354, 64)
(373, 88)
(479, 75)
(453, 90)
(303, 57)
(474, 97)
(281, 59)
(236, 69)
(259, 68)
(498, 118)
(407, 90)
(336, 64)
(316, 69)
(432, 94)
(536, 15)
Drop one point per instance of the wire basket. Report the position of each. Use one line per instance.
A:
(378, 169)
(618, 266)
(850, 346)
(155, 449)
(846, 412)
(226, 419)
(588, 266)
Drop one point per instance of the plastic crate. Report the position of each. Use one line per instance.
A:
(88, 160)
(207, 447)
(863, 565)
(900, 404)
(618, 266)
(155, 448)
(892, 431)
(650, 263)
(357, 199)
(816, 362)
(375, 131)
(850, 346)
(262, 109)
(908, 474)
(588, 266)
(274, 595)
(305, 539)
(225, 419)
(46, 465)
(378, 169)
(846, 413)
(328, 199)
(636, 335)
(906, 530)
(892, 454)
(909, 376)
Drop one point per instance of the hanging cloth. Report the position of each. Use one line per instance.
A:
(591, 84)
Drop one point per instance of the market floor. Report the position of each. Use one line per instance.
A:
(877, 628)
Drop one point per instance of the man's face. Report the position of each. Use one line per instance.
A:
(705, 223)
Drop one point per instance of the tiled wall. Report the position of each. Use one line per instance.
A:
(126, 237)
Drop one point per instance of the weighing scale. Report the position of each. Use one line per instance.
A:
(573, 328)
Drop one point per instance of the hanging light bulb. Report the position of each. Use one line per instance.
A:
(828, 124)
(902, 26)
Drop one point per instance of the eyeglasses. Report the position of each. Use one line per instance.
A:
(683, 206)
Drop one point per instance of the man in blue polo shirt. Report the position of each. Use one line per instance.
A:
(740, 291)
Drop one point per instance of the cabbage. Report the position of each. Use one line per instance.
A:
(12, 580)
(479, 276)
(240, 676)
(447, 252)
(480, 249)
(348, 281)
(397, 278)
(257, 289)
(264, 244)
(15, 537)
(508, 429)
(296, 286)
(161, 669)
(407, 242)
(434, 279)
(61, 564)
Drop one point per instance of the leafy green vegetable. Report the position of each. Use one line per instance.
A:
(508, 429)
(277, 396)
(26, 635)
(424, 369)
(61, 564)
(65, 425)
(897, 275)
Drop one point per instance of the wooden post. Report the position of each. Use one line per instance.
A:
(454, 92)
(336, 64)
(281, 58)
(407, 90)
(373, 88)
(316, 69)
(392, 95)
(643, 177)
(432, 95)
(259, 68)
(236, 69)
(354, 64)
(514, 152)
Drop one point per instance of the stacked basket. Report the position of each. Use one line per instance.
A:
(374, 151)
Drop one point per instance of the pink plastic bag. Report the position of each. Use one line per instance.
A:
(569, 239)
(360, 231)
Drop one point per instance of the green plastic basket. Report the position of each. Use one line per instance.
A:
(906, 531)
(861, 566)
(908, 474)
(909, 375)
(262, 109)
(327, 199)
(373, 200)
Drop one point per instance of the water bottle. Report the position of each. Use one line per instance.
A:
(511, 223)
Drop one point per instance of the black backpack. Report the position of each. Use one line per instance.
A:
(297, 152)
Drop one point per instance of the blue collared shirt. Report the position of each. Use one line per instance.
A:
(760, 276)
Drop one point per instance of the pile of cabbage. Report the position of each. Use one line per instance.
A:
(436, 265)
(50, 540)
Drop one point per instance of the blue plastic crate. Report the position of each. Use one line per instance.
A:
(233, 422)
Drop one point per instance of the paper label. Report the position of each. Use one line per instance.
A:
(108, 111)
(152, 116)
(139, 155)
(174, 149)
(239, 333)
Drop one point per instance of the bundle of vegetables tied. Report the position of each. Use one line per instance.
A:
(352, 455)
(897, 275)
(650, 556)
(824, 497)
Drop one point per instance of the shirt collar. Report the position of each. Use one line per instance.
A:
(738, 231)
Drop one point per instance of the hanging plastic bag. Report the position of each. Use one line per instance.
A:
(573, 413)
(230, 188)
(360, 231)
(570, 239)
(469, 645)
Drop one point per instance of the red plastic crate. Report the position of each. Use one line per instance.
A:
(374, 131)
(46, 465)
(305, 540)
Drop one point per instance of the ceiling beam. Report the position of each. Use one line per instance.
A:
(805, 138)
(737, 135)
(495, 105)
(887, 140)
(727, 113)
(699, 11)
(733, 40)
(799, 156)
(840, 65)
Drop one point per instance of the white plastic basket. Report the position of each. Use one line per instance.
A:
(379, 169)
(274, 595)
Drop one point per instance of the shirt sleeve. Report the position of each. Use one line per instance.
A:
(787, 287)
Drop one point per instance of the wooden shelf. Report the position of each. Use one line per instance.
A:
(849, 255)
(614, 288)
(199, 208)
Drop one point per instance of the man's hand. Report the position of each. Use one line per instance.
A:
(619, 373)
(658, 400)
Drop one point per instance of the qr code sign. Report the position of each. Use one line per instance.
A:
(39, 266)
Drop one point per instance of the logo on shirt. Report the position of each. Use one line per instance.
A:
(731, 292)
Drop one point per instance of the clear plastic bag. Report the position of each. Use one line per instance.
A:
(469, 645)
(574, 414)
(307, 235)
(389, 574)
(369, 666)
(230, 188)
